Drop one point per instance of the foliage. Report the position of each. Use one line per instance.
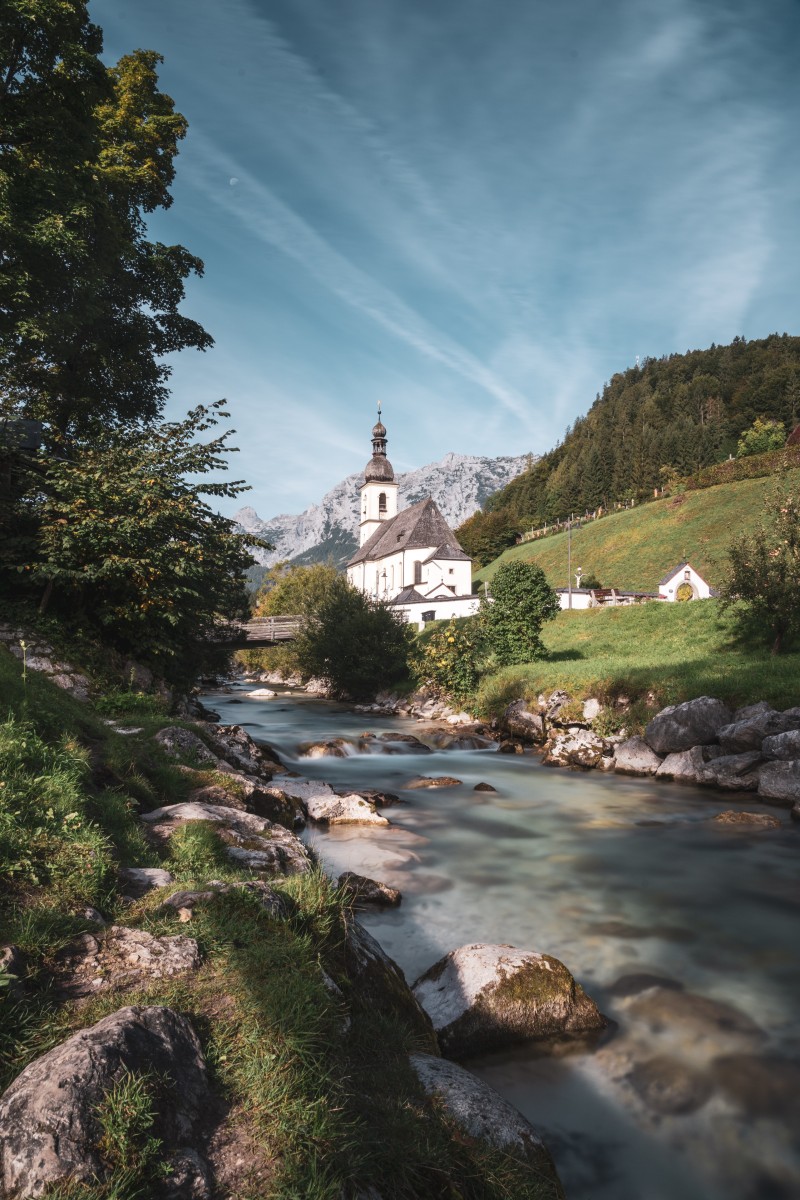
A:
(754, 466)
(522, 600)
(761, 437)
(356, 644)
(128, 1117)
(686, 410)
(763, 581)
(292, 590)
(449, 658)
(128, 547)
(89, 306)
(485, 535)
(590, 581)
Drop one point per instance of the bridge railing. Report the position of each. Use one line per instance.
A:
(261, 631)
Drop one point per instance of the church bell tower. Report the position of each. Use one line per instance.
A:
(379, 490)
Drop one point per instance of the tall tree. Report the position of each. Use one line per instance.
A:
(88, 305)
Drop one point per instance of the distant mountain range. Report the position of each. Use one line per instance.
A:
(459, 484)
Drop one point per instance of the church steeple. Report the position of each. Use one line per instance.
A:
(379, 490)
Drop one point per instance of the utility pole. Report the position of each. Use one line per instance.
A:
(569, 561)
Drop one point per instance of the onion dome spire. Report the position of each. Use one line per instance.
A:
(379, 468)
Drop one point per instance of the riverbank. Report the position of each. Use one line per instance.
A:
(179, 958)
(681, 928)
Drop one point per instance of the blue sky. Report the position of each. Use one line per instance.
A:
(475, 211)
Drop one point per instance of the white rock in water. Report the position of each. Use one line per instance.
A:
(261, 694)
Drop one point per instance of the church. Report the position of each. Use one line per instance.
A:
(411, 559)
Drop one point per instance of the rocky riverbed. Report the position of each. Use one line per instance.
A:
(669, 906)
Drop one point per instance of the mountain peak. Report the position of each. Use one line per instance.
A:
(459, 484)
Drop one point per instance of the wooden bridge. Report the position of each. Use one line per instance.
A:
(262, 631)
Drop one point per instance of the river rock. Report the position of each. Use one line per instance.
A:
(351, 809)
(184, 745)
(277, 849)
(748, 819)
(262, 693)
(634, 757)
(779, 782)
(522, 723)
(365, 891)
(698, 1020)
(460, 741)
(686, 766)
(482, 997)
(591, 709)
(335, 748)
(432, 781)
(137, 881)
(122, 958)
(481, 1114)
(669, 1086)
(404, 743)
(749, 733)
(681, 726)
(235, 745)
(251, 795)
(732, 772)
(484, 787)
(13, 964)
(782, 745)
(507, 746)
(763, 1087)
(184, 902)
(50, 1128)
(380, 982)
(574, 748)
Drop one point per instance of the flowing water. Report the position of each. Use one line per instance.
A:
(684, 931)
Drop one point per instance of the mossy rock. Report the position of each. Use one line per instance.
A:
(482, 997)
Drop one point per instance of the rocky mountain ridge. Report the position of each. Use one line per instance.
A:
(459, 484)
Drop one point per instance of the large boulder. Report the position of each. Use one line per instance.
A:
(481, 997)
(681, 726)
(574, 748)
(50, 1123)
(686, 766)
(732, 772)
(363, 891)
(325, 806)
(480, 1114)
(748, 820)
(522, 723)
(186, 746)
(779, 782)
(251, 840)
(782, 745)
(634, 757)
(122, 958)
(749, 733)
(235, 745)
(378, 981)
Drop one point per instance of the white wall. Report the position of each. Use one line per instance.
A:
(444, 609)
(371, 515)
(668, 590)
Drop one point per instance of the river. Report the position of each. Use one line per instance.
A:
(684, 931)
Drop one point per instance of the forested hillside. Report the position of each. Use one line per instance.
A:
(672, 415)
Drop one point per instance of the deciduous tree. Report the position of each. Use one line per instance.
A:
(522, 600)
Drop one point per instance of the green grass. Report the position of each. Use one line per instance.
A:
(654, 654)
(328, 1112)
(633, 550)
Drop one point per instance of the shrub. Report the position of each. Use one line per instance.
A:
(522, 601)
(449, 659)
(355, 644)
(761, 437)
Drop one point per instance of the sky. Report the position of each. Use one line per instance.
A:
(472, 211)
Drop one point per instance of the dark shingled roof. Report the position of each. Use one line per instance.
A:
(409, 595)
(674, 572)
(414, 528)
(448, 552)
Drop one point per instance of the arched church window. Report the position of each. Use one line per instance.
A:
(417, 572)
(382, 502)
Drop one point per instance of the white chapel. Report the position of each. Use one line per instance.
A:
(411, 559)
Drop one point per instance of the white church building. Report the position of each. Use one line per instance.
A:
(410, 559)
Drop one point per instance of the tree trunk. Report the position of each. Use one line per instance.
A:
(45, 600)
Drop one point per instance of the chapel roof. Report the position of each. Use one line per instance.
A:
(680, 567)
(448, 552)
(415, 528)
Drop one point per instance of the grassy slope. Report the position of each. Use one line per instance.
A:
(324, 1115)
(672, 652)
(633, 550)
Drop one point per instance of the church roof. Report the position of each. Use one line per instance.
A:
(448, 552)
(680, 567)
(409, 595)
(415, 528)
